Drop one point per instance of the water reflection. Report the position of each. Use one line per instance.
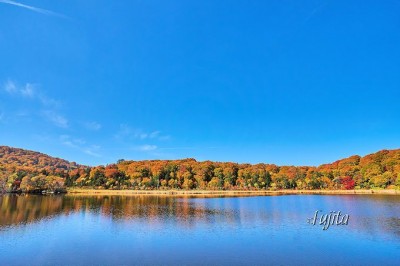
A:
(22, 209)
(163, 230)
(372, 214)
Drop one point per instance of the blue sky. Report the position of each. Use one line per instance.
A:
(285, 82)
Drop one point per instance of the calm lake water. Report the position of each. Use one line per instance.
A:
(159, 230)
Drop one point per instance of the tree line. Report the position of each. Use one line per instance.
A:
(378, 170)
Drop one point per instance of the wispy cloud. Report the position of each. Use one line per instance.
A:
(127, 132)
(146, 148)
(90, 152)
(56, 118)
(187, 148)
(13, 89)
(10, 87)
(92, 126)
(30, 91)
(80, 144)
(34, 9)
(315, 11)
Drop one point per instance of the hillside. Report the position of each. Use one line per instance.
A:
(28, 170)
(31, 160)
(32, 171)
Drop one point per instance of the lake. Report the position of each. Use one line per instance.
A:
(162, 230)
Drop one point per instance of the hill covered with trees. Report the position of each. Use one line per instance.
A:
(30, 171)
(27, 171)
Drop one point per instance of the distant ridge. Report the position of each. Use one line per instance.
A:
(24, 157)
(21, 158)
(376, 170)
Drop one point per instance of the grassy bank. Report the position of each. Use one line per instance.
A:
(81, 191)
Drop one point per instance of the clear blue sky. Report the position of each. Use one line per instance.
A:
(285, 82)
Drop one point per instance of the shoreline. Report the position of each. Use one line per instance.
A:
(233, 193)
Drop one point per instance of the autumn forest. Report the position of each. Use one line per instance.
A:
(29, 171)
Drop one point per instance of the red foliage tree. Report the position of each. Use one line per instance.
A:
(348, 182)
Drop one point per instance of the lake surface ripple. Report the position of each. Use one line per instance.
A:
(162, 230)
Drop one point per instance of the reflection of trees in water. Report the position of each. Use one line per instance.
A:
(20, 209)
(17, 209)
(152, 209)
(369, 215)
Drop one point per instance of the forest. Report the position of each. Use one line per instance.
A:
(29, 171)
